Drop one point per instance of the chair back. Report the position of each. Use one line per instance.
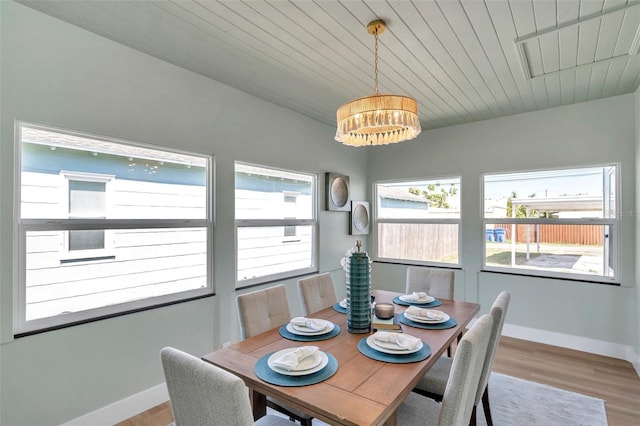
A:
(434, 281)
(498, 312)
(203, 394)
(316, 293)
(263, 310)
(459, 395)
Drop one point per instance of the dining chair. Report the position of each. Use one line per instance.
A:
(203, 394)
(316, 293)
(263, 310)
(462, 383)
(434, 383)
(435, 282)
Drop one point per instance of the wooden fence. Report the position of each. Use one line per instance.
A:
(561, 234)
(438, 242)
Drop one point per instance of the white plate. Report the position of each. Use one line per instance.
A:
(309, 365)
(304, 331)
(390, 348)
(407, 298)
(426, 320)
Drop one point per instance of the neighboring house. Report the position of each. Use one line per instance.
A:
(69, 177)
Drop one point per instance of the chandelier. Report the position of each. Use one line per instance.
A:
(377, 119)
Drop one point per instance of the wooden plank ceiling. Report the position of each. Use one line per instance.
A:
(463, 60)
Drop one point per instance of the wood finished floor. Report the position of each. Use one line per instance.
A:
(610, 379)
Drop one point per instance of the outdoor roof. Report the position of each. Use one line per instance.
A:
(574, 203)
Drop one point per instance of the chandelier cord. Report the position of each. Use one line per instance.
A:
(375, 66)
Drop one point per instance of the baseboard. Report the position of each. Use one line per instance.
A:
(125, 408)
(584, 344)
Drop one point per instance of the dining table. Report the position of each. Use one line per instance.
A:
(362, 390)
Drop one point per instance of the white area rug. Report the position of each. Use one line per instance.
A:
(514, 402)
(517, 402)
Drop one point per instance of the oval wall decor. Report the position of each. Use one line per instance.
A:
(337, 197)
(359, 218)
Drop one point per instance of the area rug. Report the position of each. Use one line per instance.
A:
(517, 402)
(514, 402)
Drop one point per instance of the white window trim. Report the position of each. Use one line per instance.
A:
(313, 222)
(20, 325)
(418, 221)
(613, 223)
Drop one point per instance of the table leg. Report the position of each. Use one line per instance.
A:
(258, 404)
(392, 420)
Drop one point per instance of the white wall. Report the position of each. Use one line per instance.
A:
(57, 74)
(584, 134)
(636, 216)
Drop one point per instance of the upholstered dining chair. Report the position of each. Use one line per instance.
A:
(263, 310)
(435, 282)
(434, 383)
(203, 394)
(316, 293)
(462, 384)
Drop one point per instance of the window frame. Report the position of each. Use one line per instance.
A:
(284, 223)
(418, 221)
(21, 326)
(612, 223)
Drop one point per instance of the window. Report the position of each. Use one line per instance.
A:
(418, 221)
(556, 223)
(106, 227)
(276, 229)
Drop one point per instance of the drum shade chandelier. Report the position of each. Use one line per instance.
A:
(377, 119)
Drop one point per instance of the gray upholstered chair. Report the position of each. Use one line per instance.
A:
(434, 383)
(203, 394)
(316, 293)
(263, 310)
(434, 281)
(462, 384)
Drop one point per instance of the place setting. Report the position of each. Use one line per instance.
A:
(427, 318)
(417, 298)
(304, 329)
(393, 347)
(341, 306)
(297, 366)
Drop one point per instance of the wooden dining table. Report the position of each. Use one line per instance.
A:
(363, 391)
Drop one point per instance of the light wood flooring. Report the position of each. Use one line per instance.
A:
(610, 379)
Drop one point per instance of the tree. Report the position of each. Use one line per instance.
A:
(436, 194)
(521, 211)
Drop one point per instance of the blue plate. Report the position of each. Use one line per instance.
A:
(369, 352)
(300, 338)
(433, 304)
(438, 326)
(264, 372)
(339, 308)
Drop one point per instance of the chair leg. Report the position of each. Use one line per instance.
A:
(472, 420)
(306, 422)
(485, 406)
(449, 351)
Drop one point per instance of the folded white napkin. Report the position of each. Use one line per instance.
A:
(310, 323)
(343, 303)
(424, 313)
(417, 296)
(403, 341)
(290, 360)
